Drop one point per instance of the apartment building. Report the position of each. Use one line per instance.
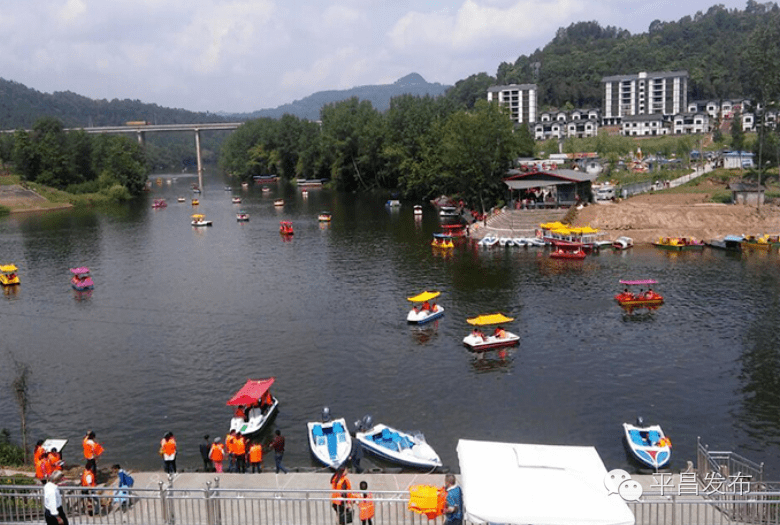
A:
(519, 99)
(660, 93)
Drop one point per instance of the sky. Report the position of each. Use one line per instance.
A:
(245, 55)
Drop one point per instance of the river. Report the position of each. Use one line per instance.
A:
(181, 317)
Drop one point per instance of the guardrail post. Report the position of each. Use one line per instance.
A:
(216, 506)
(209, 504)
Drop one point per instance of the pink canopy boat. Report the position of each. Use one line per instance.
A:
(81, 279)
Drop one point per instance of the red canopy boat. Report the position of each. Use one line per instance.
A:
(256, 406)
(286, 228)
(644, 298)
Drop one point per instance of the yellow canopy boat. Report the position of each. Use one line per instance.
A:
(478, 342)
(427, 312)
(198, 219)
(8, 275)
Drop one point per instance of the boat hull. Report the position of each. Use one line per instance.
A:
(330, 442)
(257, 420)
(424, 316)
(563, 254)
(642, 449)
(398, 447)
(679, 247)
(478, 344)
(199, 224)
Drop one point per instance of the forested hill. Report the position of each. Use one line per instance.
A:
(21, 106)
(711, 46)
(378, 95)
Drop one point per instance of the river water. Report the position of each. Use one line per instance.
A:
(181, 317)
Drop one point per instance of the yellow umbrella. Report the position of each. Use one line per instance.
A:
(483, 320)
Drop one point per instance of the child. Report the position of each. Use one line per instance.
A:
(366, 505)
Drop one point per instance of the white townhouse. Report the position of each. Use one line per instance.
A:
(519, 99)
(693, 122)
(643, 126)
(657, 93)
(578, 123)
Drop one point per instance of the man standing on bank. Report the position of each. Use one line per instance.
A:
(52, 501)
(453, 506)
(278, 446)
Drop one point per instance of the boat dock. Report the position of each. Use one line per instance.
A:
(515, 223)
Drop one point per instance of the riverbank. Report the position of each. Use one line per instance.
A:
(19, 200)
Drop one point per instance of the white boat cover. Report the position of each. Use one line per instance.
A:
(514, 483)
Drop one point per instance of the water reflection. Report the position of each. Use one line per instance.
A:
(423, 334)
(500, 360)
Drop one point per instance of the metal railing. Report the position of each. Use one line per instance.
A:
(215, 506)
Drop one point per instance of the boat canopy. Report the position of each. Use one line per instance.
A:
(641, 281)
(81, 270)
(8, 268)
(453, 226)
(198, 216)
(489, 319)
(252, 391)
(425, 296)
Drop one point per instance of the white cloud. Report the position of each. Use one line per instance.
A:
(476, 25)
(72, 10)
(339, 16)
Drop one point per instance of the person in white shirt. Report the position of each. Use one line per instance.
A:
(52, 501)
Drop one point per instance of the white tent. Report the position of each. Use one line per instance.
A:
(537, 484)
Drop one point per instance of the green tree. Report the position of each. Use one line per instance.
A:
(737, 133)
(476, 150)
(466, 92)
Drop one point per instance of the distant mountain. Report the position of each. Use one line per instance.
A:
(21, 106)
(378, 95)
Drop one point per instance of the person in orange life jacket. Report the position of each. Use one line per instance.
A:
(340, 497)
(256, 457)
(92, 449)
(217, 454)
(38, 456)
(230, 442)
(366, 505)
(168, 452)
(89, 479)
(55, 460)
(239, 448)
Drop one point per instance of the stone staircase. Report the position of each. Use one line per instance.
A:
(516, 223)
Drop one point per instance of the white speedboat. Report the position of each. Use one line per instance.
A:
(488, 240)
(648, 444)
(505, 241)
(535, 242)
(255, 406)
(427, 311)
(418, 209)
(519, 242)
(329, 440)
(623, 243)
(448, 211)
(404, 448)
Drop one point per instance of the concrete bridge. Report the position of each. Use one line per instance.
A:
(140, 129)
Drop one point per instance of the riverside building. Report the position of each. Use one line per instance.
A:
(519, 99)
(662, 93)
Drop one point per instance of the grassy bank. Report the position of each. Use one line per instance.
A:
(45, 197)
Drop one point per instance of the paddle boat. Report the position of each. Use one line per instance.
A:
(236, 200)
(505, 241)
(648, 444)
(81, 279)
(244, 185)
(730, 243)
(442, 241)
(478, 342)
(228, 188)
(562, 235)
(159, 203)
(260, 179)
(198, 219)
(195, 190)
(195, 202)
(427, 311)
(329, 440)
(448, 211)
(304, 193)
(456, 231)
(181, 199)
(393, 203)
(761, 242)
(678, 244)
(255, 406)
(648, 298)
(405, 448)
(8, 276)
(623, 243)
(286, 228)
(575, 253)
(242, 216)
(279, 202)
(266, 189)
(418, 209)
(488, 240)
(324, 216)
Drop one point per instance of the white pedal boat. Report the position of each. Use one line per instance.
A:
(488, 241)
(478, 342)
(258, 404)
(399, 447)
(427, 311)
(330, 441)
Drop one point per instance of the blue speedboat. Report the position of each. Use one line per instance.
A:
(648, 444)
(329, 440)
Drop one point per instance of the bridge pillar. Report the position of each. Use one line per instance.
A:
(141, 137)
(200, 162)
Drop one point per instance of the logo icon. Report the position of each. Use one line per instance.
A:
(619, 481)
